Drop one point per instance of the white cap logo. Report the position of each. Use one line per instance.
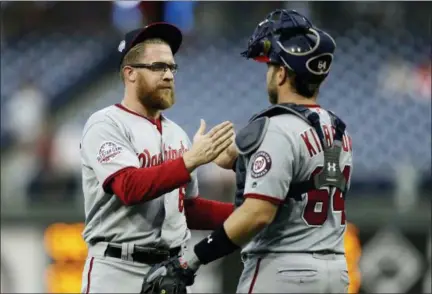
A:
(122, 46)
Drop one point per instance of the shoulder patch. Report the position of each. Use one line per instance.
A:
(250, 137)
(108, 151)
(261, 164)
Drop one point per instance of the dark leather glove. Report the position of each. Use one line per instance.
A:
(169, 277)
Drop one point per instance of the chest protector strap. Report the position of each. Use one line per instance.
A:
(330, 174)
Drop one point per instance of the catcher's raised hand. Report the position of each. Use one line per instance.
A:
(169, 277)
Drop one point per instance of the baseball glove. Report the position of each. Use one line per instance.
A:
(168, 277)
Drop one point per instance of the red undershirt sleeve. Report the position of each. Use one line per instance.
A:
(134, 185)
(204, 214)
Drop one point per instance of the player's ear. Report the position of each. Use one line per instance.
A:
(281, 75)
(129, 74)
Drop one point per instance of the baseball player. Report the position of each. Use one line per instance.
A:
(139, 170)
(293, 171)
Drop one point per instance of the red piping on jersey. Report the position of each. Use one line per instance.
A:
(157, 122)
(270, 199)
(254, 276)
(310, 105)
(204, 214)
(89, 275)
(134, 185)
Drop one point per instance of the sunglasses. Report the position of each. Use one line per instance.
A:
(156, 66)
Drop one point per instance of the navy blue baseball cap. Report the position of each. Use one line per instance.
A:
(161, 30)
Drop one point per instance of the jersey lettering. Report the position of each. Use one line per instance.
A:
(317, 206)
(148, 160)
(310, 139)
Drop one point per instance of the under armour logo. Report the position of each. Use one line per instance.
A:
(209, 239)
(331, 167)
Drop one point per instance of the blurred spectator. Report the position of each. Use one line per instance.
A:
(66, 151)
(57, 178)
(402, 77)
(25, 112)
(424, 80)
(180, 13)
(152, 10)
(19, 169)
(126, 15)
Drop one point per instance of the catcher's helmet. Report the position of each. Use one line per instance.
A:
(287, 38)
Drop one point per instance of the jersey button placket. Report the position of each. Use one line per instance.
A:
(162, 150)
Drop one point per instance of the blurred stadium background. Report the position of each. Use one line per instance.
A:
(59, 64)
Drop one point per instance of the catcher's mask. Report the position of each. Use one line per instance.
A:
(287, 38)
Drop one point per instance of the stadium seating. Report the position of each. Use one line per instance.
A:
(55, 61)
(390, 125)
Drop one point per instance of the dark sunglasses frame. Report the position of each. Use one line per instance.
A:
(156, 66)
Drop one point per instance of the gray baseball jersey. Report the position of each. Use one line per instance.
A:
(289, 153)
(113, 139)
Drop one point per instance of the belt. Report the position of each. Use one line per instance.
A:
(245, 255)
(144, 255)
(327, 252)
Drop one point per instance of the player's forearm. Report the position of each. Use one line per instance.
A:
(244, 224)
(204, 214)
(240, 227)
(136, 185)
